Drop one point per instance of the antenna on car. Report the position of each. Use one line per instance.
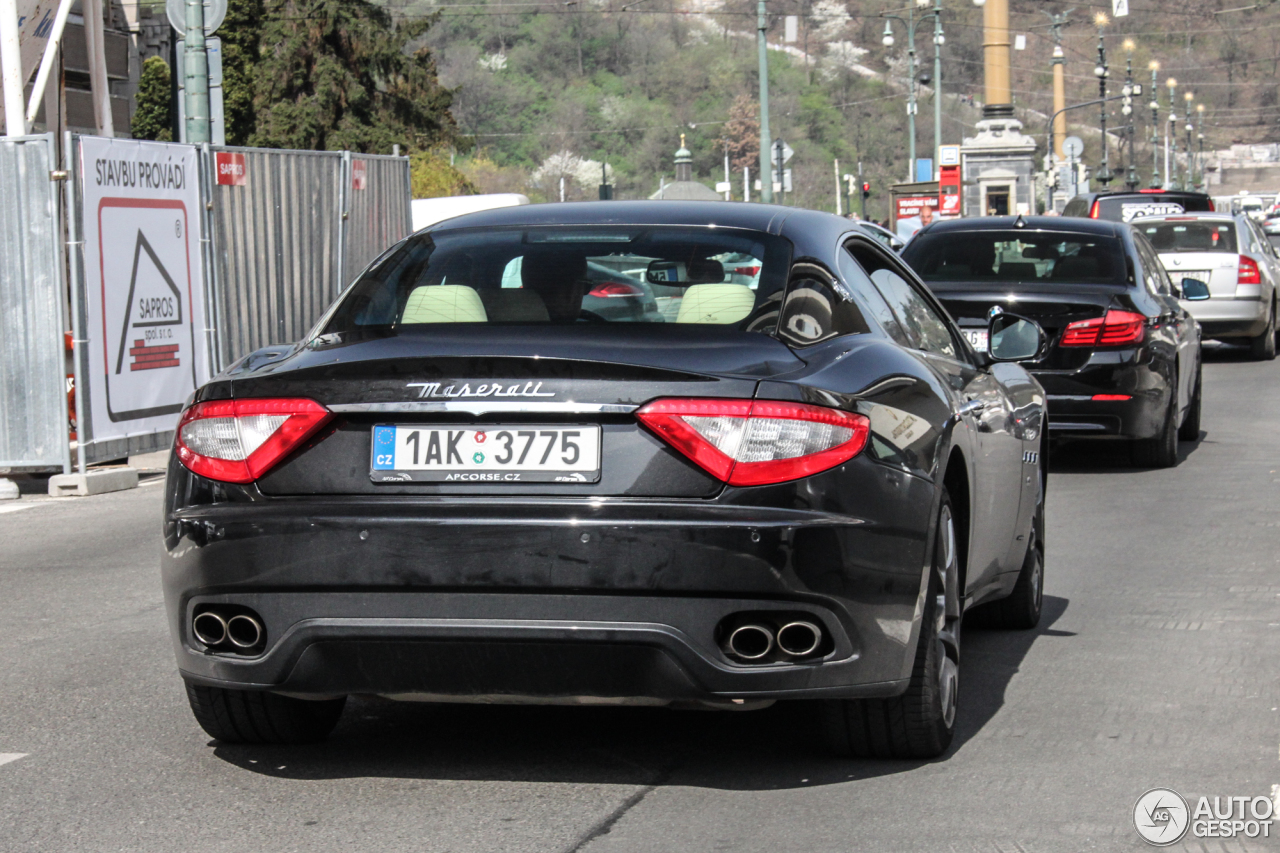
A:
(1019, 223)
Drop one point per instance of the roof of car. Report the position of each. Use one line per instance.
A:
(728, 214)
(1062, 224)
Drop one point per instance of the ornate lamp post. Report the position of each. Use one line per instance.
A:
(1190, 183)
(912, 23)
(1155, 127)
(1200, 134)
(1130, 89)
(1170, 175)
(1104, 172)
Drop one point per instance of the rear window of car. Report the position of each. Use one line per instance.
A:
(989, 257)
(1190, 236)
(1127, 208)
(568, 275)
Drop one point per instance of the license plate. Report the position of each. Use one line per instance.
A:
(491, 454)
(977, 338)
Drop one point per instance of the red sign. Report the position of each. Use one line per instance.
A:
(229, 168)
(949, 191)
(911, 206)
(357, 174)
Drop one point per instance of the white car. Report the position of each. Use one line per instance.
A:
(1229, 253)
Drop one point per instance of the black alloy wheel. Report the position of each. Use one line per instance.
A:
(921, 722)
(1161, 451)
(1190, 429)
(1263, 347)
(255, 716)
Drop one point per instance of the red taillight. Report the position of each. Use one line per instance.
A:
(615, 288)
(237, 441)
(757, 442)
(1093, 211)
(1111, 398)
(1248, 272)
(751, 271)
(1115, 329)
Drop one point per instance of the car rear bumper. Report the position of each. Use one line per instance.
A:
(1074, 412)
(549, 599)
(1229, 318)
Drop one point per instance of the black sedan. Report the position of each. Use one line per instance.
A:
(459, 491)
(1124, 355)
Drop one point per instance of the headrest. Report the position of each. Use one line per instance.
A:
(515, 305)
(444, 303)
(724, 304)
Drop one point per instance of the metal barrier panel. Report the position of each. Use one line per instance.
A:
(378, 209)
(33, 389)
(276, 235)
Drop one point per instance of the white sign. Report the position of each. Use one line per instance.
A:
(948, 155)
(791, 29)
(143, 283)
(1019, 42)
(787, 151)
(35, 21)
(1119, 8)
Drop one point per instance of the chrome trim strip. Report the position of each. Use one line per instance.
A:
(485, 407)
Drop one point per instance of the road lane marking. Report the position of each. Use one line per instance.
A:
(6, 757)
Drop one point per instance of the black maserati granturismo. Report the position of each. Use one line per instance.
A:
(788, 483)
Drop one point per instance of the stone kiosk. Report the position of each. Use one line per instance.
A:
(998, 168)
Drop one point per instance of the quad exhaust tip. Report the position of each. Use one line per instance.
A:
(798, 639)
(244, 631)
(750, 641)
(209, 628)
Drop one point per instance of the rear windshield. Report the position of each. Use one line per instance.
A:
(1129, 208)
(1017, 256)
(1202, 236)
(570, 275)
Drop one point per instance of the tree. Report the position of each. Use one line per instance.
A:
(240, 46)
(742, 134)
(152, 119)
(335, 74)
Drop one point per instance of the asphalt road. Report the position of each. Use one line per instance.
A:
(1157, 664)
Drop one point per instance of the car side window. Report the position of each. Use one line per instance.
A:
(1154, 275)
(815, 310)
(873, 304)
(924, 326)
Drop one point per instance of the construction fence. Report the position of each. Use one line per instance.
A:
(167, 263)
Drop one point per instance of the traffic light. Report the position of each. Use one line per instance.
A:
(866, 189)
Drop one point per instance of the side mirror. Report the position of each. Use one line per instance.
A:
(1014, 338)
(1194, 290)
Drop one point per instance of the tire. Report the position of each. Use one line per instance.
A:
(1263, 347)
(1020, 611)
(1161, 451)
(254, 716)
(921, 722)
(1190, 429)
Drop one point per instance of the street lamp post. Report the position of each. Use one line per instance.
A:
(766, 144)
(1200, 135)
(911, 24)
(1155, 127)
(1104, 172)
(1170, 176)
(1130, 89)
(1189, 97)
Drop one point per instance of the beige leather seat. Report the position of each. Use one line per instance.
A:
(444, 303)
(724, 304)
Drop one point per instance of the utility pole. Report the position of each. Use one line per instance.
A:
(1155, 126)
(938, 41)
(766, 143)
(1130, 89)
(1059, 81)
(1200, 134)
(1104, 172)
(864, 196)
(11, 69)
(196, 62)
(1170, 179)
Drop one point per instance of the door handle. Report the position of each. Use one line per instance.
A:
(972, 407)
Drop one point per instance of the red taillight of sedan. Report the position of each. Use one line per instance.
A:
(757, 442)
(237, 441)
(1248, 272)
(1117, 328)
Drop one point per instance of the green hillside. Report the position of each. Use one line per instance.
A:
(541, 88)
